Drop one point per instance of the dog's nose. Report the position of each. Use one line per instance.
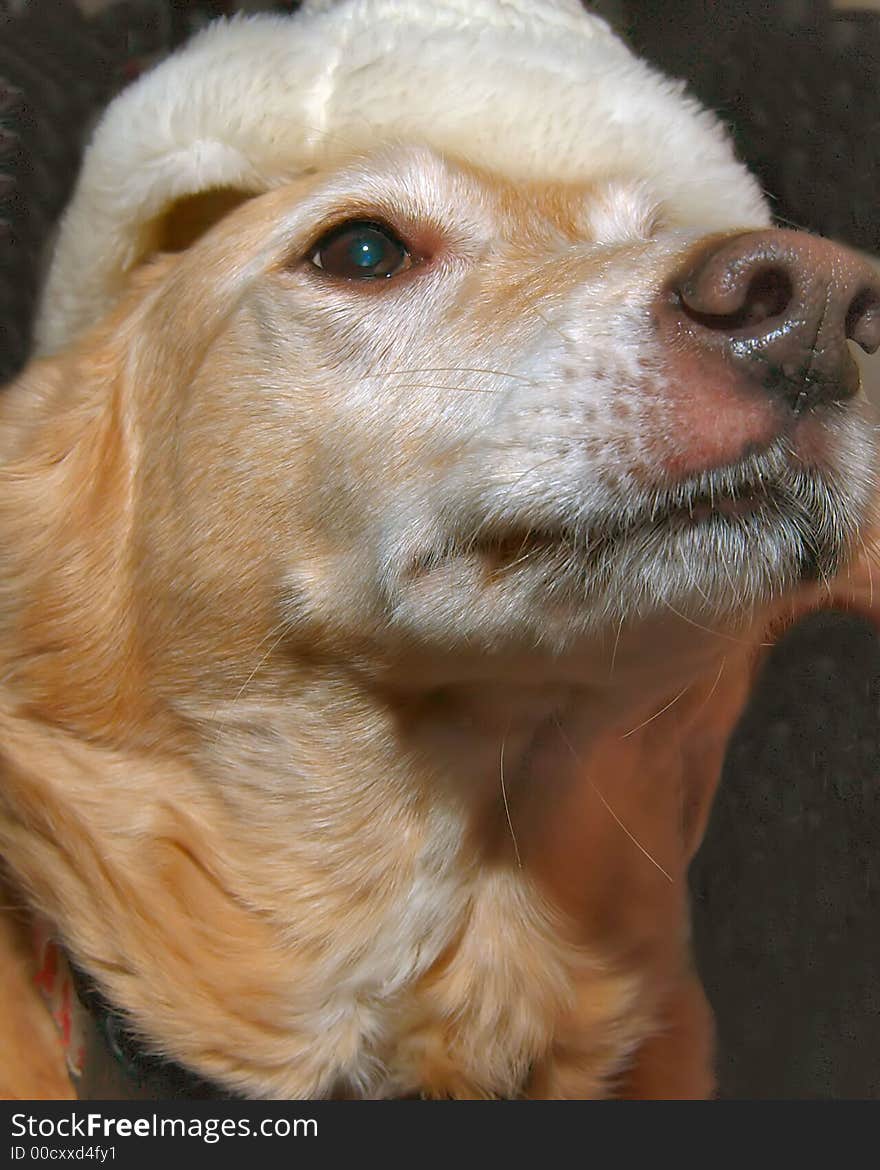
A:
(781, 305)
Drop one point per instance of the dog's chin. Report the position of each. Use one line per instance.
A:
(714, 547)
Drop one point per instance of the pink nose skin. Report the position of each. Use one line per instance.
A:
(778, 308)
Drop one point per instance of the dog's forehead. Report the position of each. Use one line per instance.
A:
(529, 91)
(414, 183)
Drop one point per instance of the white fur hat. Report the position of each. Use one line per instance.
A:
(527, 87)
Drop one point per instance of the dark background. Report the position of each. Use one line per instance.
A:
(787, 884)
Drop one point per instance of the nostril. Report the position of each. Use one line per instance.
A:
(863, 320)
(780, 308)
(765, 297)
(768, 295)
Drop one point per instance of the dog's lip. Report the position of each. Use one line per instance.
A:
(731, 504)
(501, 548)
(505, 547)
(688, 505)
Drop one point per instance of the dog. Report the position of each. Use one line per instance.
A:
(428, 429)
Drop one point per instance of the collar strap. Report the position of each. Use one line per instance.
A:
(104, 1057)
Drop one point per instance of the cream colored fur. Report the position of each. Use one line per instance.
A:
(335, 758)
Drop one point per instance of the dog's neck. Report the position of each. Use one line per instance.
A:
(490, 746)
(346, 831)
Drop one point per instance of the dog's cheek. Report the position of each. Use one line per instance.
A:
(256, 515)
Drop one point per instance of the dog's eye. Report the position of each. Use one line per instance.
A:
(360, 250)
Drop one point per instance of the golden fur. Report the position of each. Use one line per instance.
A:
(305, 855)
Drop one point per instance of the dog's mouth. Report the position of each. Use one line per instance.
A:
(786, 514)
(554, 567)
(747, 504)
(508, 548)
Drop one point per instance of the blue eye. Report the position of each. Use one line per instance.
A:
(360, 250)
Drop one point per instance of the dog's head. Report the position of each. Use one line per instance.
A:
(503, 355)
(414, 333)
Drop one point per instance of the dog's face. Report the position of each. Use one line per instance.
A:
(408, 403)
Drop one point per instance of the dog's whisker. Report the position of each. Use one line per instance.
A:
(550, 324)
(706, 629)
(281, 631)
(506, 804)
(609, 809)
(725, 568)
(869, 568)
(657, 714)
(444, 386)
(615, 647)
(713, 688)
(799, 227)
(653, 860)
(418, 370)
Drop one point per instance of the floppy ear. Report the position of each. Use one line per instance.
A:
(103, 824)
(136, 864)
(66, 465)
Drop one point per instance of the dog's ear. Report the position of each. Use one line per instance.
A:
(66, 467)
(131, 858)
